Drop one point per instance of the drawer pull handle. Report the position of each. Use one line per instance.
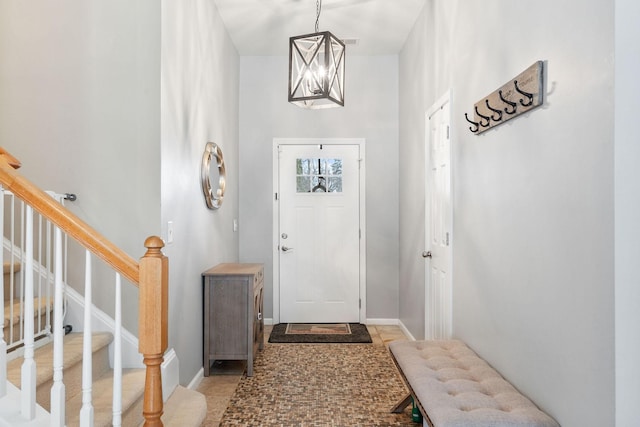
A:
(259, 316)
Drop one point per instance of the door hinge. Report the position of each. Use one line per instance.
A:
(447, 131)
(447, 238)
(360, 233)
(360, 303)
(276, 196)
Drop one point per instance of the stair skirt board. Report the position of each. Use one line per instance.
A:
(170, 371)
(10, 415)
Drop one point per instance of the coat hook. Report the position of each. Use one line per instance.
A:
(484, 122)
(528, 95)
(506, 101)
(498, 112)
(476, 124)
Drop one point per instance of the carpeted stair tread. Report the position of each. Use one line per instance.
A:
(6, 267)
(44, 357)
(102, 399)
(185, 408)
(39, 307)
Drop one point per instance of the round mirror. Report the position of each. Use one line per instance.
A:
(213, 175)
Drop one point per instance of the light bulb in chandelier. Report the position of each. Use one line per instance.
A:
(315, 81)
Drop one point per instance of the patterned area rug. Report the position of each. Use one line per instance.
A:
(319, 385)
(320, 333)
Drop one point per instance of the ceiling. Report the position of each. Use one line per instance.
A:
(263, 27)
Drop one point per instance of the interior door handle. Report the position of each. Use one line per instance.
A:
(427, 254)
(286, 249)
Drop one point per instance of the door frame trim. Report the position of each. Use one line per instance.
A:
(360, 142)
(443, 100)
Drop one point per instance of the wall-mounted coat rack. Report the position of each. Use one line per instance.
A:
(521, 94)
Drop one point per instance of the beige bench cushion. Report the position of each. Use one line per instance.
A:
(458, 389)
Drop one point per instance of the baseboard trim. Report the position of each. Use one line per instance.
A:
(197, 379)
(381, 322)
(268, 321)
(406, 331)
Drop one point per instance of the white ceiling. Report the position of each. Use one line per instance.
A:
(263, 27)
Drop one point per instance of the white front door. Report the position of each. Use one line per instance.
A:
(438, 286)
(319, 233)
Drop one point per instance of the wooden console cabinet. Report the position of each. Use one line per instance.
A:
(233, 324)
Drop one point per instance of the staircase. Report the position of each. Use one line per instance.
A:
(193, 406)
(73, 375)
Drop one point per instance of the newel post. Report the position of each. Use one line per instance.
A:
(154, 293)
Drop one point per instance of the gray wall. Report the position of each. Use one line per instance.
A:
(370, 112)
(533, 199)
(200, 72)
(80, 107)
(627, 211)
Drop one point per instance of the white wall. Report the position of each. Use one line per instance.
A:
(533, 199)
(79, 106)
(200, 74)
(627, 212)
(370, 112)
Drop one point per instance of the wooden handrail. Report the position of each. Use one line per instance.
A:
(65, 219)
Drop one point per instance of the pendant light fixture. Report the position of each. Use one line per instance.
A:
(316, 69)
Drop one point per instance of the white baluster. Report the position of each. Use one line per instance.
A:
(38, 263)
(117, 357)
(29, 365)
(12, 260)
(58, 388)
(3, 344)
(86, 413)
(22, 294)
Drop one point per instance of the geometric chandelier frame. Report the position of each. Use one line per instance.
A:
(316, 70)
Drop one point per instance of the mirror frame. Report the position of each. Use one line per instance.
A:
(213, 199)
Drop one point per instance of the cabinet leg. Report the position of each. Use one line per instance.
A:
(250, 367)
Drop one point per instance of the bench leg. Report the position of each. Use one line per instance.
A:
(399, 407)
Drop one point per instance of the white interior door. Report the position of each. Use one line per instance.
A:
(438, 286)
(319, 233)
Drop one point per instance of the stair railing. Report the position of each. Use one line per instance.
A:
(13, 258)
(150, 275)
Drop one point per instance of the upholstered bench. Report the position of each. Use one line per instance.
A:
(453, 387)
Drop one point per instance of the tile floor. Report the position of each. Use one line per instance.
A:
(218, 389)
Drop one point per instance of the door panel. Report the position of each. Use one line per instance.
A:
(438, 289)
(319, 233)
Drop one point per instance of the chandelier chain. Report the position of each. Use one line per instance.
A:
(318, 9)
